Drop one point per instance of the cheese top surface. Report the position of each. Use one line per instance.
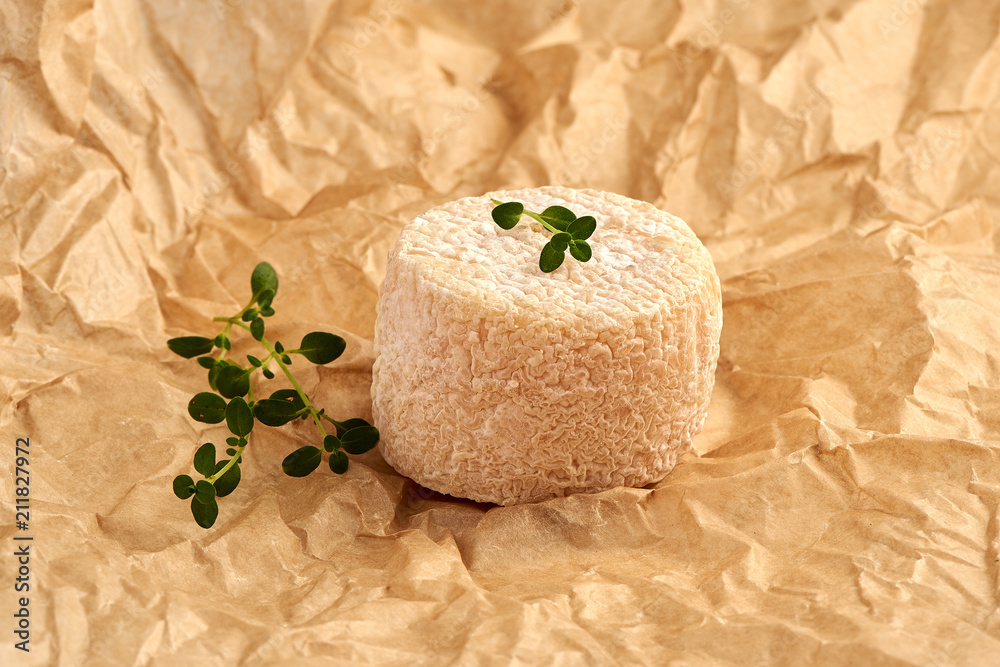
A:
(643, 258)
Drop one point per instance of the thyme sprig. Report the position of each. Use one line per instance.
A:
(233, 382)
(568, 231)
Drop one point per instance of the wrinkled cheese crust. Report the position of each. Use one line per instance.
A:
(496, 382)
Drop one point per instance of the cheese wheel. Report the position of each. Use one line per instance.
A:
(497, 382)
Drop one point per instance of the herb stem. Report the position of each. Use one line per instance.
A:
(537, 217)
(534, 215)
(291, 378)
(230, 464)
(332, 420)
(235, 319)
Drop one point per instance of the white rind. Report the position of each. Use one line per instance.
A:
(496, 382)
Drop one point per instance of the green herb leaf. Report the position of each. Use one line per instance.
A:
(560, 241)
(278, 347)
(339, 462)
(507, 215)
(222, 341)
(249, 315)
(302, 461)
(233, 441)
(207, 408)
(268, 373)
(204, 491)
(360, 440)
(264, 278)
(580, 250)
(190, 346)
(289, 395)
(321, 347)
(204, 459)
(213, 375)
(254, 361)
(233, 381)
(231, 451)
(265, 298)
(228, 482)
(271, 412)
(582, 228)
(257, 328)
(286, 359)
(183, 486)
(331, 443)
(345, 426)
(239, 418)
(204, 514)
(267, 311)
(558, 216)
(551, 258)
(206, 362)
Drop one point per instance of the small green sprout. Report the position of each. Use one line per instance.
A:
(568, 231)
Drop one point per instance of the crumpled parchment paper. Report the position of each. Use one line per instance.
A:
(839, 160)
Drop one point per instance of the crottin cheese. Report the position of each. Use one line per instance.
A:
(497, 382)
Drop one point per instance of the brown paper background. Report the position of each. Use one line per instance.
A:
(838, 158)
